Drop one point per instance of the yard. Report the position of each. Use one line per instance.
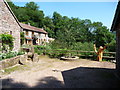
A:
(55, 73)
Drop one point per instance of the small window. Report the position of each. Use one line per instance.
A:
(44, 39)
(32, 34)
(37, 40)
(10, 32)
(26, 32)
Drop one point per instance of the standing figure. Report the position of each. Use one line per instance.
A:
(99, 52)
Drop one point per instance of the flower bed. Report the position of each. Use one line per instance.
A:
(9, 59)
(10, 55)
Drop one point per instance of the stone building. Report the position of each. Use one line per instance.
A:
(116, 27)
(9, 23)
(34, 35)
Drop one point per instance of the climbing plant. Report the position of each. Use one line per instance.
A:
(22, 37)
(7, 40)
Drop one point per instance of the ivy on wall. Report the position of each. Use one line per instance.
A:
(22, 37)
(7, 41)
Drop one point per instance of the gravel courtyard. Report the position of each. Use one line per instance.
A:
(55, 73)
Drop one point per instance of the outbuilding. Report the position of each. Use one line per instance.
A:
(116, 27)
(34, 35)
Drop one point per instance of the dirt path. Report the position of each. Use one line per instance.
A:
(54, 73)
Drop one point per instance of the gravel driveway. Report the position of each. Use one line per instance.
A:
(55, 73)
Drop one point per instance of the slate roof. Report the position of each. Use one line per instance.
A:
(32, 28)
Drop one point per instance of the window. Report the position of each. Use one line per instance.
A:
(27, 33)
(37, 40)
(44, 39)
(10, 32)
(32, 34)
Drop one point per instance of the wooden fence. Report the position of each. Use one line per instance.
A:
(106, 55)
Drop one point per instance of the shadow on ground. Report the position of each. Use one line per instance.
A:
(82, 77)
(47, 82)
(86, 77)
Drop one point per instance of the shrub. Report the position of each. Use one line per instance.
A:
(58, 45)
(10, 55)
(20, 53)
(7, 39)
(56, 54)
(112, 46)
(57, 49)
(26, 46)
(39, 49)
(83, 46)
(49, 51)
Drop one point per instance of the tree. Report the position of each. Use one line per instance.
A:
(57, 20)
(49, 26)
(13, 6)
(32, 6)
(64, 29)
(30, 13)
(101, 34)
(22, 14)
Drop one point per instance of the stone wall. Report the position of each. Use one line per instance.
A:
(9, 24)
(9, 62)
(21, 59)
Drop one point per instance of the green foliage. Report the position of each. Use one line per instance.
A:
(101, 34)
(10, 55)
(22, 38)
(22, 14)
(39, 49)
(49, 26)
(58, 45)
(32, 6)
(42, 49)
(20, 53)
(7, 39)
(57, 54)
(47, 50)
(69, 33)
(112, 46)
(64, 51)
(30, 13)
(12, 5)
(83, 46)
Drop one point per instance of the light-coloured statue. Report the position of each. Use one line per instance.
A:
(99, 52)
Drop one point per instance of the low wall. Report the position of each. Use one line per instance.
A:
(15, 60)
(9, 62)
